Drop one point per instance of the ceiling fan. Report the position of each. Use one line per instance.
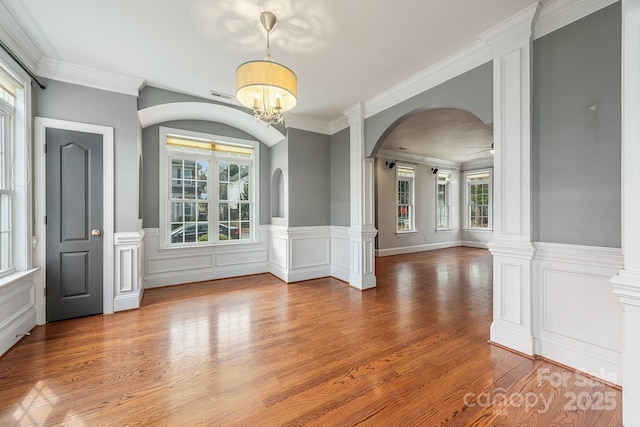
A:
(484, 149)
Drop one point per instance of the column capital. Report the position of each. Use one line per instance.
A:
(513, 32)
(355, 113)
(626, 285)
(512, 249)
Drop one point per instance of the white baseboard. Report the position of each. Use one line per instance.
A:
(128, 301)
(585, 357)
(18, 314)
(470, 244)
(13, 331)
(180, 277)
(416, 248)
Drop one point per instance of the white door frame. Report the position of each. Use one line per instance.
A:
(40, 238)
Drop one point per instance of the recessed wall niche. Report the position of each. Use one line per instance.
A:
(277, 194)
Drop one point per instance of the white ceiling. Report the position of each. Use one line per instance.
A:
(443, 133)
(343, 52)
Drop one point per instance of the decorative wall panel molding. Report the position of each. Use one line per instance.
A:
(17, 308)
(171, 266)
(578, 319)
(129, 272)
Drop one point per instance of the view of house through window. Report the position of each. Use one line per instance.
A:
(479, 199)
(209, 189)
(405, 207)
(442, 205)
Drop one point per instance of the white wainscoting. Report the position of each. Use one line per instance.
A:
(171, 266)
(340, 253)
(417, 248)
(129, 270)
(579, 319)
(290, 253)
(300, 253)
(17, 308)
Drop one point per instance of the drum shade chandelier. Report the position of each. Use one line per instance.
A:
(268, 88)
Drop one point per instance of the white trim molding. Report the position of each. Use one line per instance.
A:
(361, 183)
(419, 248)
(129, 249)
(90, 77)
(212, 112)
(460, 62)
(12, 33)
(556, 14)
(510, 44)
(41, 124)
(308, 124)
(571, 284)
(626, 284)
(172, 266)
(18, 308)
(300, 253)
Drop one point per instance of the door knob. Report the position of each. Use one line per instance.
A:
(96, 232)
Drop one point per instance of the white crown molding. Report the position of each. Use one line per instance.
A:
(556, 14)
(91, 77)
(460, 62)
(338, 124)
(512, 32)
(415, 158)
(308, 124)
(477, 164)
(12, 33)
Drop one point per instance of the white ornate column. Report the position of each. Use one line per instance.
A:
(361, 232)
(510, 46)
(626, 284)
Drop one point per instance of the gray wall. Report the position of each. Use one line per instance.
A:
(424, 203)
(309, 181)
(576, 132)
(340, 178)
(471, 91)
(150, 151)
(71, 102)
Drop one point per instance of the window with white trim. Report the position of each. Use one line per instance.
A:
(209, 183)
(405, 199)
(443, 221)
(478, 198)
(7, 119)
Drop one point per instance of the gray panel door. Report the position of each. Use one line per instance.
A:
(74, 211)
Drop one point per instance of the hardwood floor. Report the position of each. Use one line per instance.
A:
(255, 351)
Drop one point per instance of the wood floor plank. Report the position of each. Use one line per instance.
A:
(255, 351)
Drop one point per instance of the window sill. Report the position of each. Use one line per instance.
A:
(15, 277)
(443, 230)
(400, 233)
(481, 230)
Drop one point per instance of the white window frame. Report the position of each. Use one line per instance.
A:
(467, 185)
(7, 120)
(165, 157)
(411, 205)
(447, 178)
(18, 169)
